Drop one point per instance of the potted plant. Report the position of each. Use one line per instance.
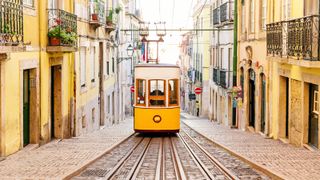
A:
(117, 10)
(6, 37)
(54, 35)
(94, 6)
(110, 17)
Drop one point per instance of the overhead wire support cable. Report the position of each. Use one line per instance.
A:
(182, 29)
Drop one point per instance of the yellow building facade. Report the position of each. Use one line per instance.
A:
(201, 56)
(293, 54)
(253, 110)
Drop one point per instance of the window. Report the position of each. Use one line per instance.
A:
(141, 92)
(316, 102)
(82, 66)
(252, 16)
(286, 11)
(157, 92)
(109, 104)
(113, 65)
(92, 60)
(263, 14)
(173, 92)
(28, 3)
(243, 19)
(108, 72)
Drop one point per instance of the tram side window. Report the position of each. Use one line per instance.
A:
(141, 92)
(173, 92)
(157, 93)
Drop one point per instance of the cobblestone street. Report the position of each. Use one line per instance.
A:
(58, 159)
(284, 160)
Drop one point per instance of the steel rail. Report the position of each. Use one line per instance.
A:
(113, 172)
(203, 167)
(180, 174)
(159, 170)
(221, 167)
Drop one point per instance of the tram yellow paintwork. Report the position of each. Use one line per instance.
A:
(158, 112)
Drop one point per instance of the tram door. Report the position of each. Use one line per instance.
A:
(313, 115)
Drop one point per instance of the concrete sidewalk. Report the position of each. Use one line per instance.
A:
(58, 159)
(284, 160)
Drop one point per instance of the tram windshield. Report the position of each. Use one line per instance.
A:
(157, 92)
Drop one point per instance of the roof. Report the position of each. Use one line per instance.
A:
(156, 65)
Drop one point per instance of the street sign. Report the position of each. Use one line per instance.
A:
(192, 97)
(198, 90)
(132, 89)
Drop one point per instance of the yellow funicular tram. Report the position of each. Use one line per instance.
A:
(156, 99)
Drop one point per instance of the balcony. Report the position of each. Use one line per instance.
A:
(226, 12)
(96, 13)
(215, 75)
(222, 77)
(216, 16)
(296, 39)
(11, 27)
(62, 31)
(111, 20)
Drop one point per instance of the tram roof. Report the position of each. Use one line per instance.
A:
(156, 65)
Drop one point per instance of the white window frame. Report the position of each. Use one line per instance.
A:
(286, 11)
(252, 16)
(82, 55)
(263, 14)
(28, 3)
(92, 63)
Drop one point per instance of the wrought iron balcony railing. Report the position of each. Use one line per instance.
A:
(226, 11)
(62, 28)
(11, 22)
(215, 75)
(111, 20)
(97, 12)
(215, 17)
(297, 38)
(223, 78)
(274, 38)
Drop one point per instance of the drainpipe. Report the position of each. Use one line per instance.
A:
(235, 57)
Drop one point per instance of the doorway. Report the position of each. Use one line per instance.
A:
(26, 107)
(56, 113)
(263, 102)
(251, 98)
(284, 107)
(313, 115)
(101, 94)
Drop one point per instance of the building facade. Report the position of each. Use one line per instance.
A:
(253, 69)
(221, 61)
(201, 56)
(293, 56)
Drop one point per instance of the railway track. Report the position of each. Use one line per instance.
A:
(186, 155)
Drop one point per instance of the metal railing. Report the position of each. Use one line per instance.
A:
(226, 11)
(62, 28)
(11, 22)
(296, 38)
(216, 16)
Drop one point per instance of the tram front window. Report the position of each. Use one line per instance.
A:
(141, 92)
(157, 93)
(173, 92)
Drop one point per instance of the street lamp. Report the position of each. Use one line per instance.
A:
(130, 50)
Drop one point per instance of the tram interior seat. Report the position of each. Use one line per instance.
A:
(156, 102)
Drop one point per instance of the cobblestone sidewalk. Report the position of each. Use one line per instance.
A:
(285, 160)
(58, 159)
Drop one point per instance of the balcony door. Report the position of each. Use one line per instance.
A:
(55, 4)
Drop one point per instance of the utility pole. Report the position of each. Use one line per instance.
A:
(235, 58)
